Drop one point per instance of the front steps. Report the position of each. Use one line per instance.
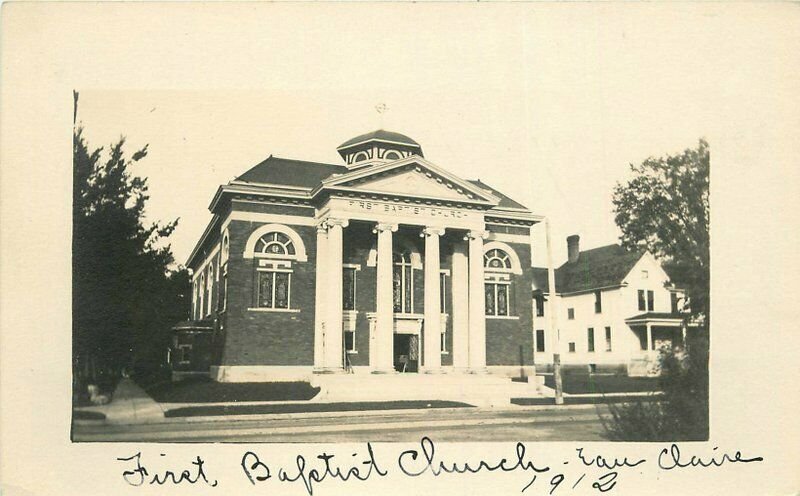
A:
(474, 389)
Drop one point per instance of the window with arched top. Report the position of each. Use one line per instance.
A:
(275, 243)
(496, 259)
(225, 250)
(392, 155)
(360, 157)
(403, 282)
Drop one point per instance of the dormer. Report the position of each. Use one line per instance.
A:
(377, 147)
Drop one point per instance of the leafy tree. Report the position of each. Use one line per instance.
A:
(665, 209)
(124, 296)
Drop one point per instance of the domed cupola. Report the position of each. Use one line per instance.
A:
(377, 147)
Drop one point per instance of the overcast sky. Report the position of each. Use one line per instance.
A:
(548, 105)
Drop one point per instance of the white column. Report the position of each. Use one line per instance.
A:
(649, 338)
(477, 312)
(432, 331)
(334, 359)
(320, 303)
(460, 292)
(382, 360)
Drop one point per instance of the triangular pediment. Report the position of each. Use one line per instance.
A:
(411, 177)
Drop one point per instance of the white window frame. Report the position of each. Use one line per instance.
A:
(181, 348)
(403, 290)
(355, 268)
(495, 284)
(352, 351)
(273, 271)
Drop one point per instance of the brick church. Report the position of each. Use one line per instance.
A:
(385, 263)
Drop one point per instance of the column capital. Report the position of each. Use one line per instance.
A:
(322, 226)
(476, 234)
(431, 231)
(332, 221)
(385, 226)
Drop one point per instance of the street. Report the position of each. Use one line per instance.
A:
(567, 423)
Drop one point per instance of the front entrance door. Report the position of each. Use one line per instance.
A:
(406, 352)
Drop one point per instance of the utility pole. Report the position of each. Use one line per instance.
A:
(553, 317)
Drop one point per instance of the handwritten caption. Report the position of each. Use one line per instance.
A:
(595, 470)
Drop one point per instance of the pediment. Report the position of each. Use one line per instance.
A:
(414, 178)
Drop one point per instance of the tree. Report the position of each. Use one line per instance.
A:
(665, 209)
(125, 298)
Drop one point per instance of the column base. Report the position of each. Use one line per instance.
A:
(328, 370)
(383, 371)
(434, 371)
(479, 371)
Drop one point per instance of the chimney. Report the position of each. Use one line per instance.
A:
(573, 247)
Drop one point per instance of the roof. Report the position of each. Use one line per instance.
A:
(596, 268)
(381, 135)
(504, 200)
(659, 316)
(288, 172)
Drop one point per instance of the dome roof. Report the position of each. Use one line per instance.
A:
(380, 135)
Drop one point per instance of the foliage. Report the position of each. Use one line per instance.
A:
(665, 209)
(125, 299)
(681, 413)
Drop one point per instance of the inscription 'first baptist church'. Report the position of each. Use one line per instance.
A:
(393, 208)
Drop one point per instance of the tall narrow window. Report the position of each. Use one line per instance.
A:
(608, 339)
(222, 291)
(540, 306)
(598, 302)
(403, 282)
(202, 291)
(650, 297)
(540, 340)
(673, 297)
(497, 299)
(273, 289)
(570, 314)
(349, 288)
(349, 341)
(443, 292)
(572, 347)
(642, 302)
(590, 338)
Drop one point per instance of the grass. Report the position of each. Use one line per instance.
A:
(584, 383)
(201, 411)
(204, 390)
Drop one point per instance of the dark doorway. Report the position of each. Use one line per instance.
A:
(406, 352)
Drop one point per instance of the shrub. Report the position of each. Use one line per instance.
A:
(681, 413)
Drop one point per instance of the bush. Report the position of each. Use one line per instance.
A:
(681, 414)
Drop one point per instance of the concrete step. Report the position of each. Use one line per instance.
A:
(474, 389)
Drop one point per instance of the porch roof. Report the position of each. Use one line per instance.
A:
(660, 318)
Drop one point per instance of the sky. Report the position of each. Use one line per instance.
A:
(548, 105)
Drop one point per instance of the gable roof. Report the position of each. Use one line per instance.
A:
(467, 188)
(596, 268)
(289, 172)
(504, 200)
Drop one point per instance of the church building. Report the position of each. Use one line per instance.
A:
(385, 263)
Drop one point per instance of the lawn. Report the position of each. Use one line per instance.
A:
(204, 390)
(586, 383)
(201, 411)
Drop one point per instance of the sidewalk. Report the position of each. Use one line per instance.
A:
(129, 405)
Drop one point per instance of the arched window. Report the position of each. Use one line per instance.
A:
(275, 243)
(226, 246)
(403, 282)
(496, 259)
(391, 155)
(360, 156)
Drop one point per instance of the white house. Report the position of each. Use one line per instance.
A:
(615, 310)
